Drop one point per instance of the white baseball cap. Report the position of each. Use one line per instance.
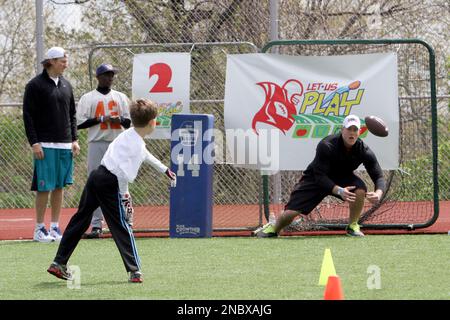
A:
(54, 53)
(352, 120)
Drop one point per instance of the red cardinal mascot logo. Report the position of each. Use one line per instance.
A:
(279, 105)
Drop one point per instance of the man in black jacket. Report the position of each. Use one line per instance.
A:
(51, 129)
(331, 173)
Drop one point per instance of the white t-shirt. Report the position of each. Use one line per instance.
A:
(55, 80)
(57, 145)
(94, 104)
(125, 155)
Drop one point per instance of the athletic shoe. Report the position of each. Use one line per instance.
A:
(267, 231)
(353, 230)
(42, 235)
(94, 234)
(135, 277)
(60, 271)
(55, 232)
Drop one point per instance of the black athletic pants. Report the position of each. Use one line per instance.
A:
(307, 194)
(102, 191)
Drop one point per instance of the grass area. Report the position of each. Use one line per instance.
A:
(411, 267)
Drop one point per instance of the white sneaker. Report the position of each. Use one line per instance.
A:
(56, 234)
(41, 235)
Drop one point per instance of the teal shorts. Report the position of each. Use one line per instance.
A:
(54, 171)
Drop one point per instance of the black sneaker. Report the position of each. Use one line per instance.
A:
(60, 271)
(354, 231)
(95, 233)
(135, 277)
(262, 234)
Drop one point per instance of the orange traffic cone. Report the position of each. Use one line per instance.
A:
(333, 290)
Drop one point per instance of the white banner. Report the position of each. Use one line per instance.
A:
(305, 99)
(164, 78)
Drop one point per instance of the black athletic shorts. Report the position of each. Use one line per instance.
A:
(307, 194)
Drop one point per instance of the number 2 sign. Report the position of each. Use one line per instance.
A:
(163, 77)
(164, 74)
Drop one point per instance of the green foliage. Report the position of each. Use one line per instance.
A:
(444, 170)
(418, 184)
(16, 163)
(15, 200)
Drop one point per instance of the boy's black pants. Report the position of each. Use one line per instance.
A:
(102, 191)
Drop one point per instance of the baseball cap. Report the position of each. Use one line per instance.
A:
(352, 120)
(104, 68)
(54, 53)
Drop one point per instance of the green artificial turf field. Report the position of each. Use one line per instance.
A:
(409, 267)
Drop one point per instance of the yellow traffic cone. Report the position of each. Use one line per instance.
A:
(327, 268)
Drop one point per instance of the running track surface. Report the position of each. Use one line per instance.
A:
(18, 224)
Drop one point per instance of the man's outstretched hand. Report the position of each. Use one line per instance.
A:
(374, 197)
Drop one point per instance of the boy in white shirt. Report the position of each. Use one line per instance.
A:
(107, 187)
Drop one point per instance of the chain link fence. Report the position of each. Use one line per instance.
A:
(84, 25)
(408, 200)
(208, 67)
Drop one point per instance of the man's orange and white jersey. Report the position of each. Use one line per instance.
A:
(95, 104)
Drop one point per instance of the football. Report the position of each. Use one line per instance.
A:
(376, 126)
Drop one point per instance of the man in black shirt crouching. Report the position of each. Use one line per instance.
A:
(331, 173)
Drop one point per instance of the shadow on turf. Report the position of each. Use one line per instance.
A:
(58, 283)
(284, 237)
(50, 284)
